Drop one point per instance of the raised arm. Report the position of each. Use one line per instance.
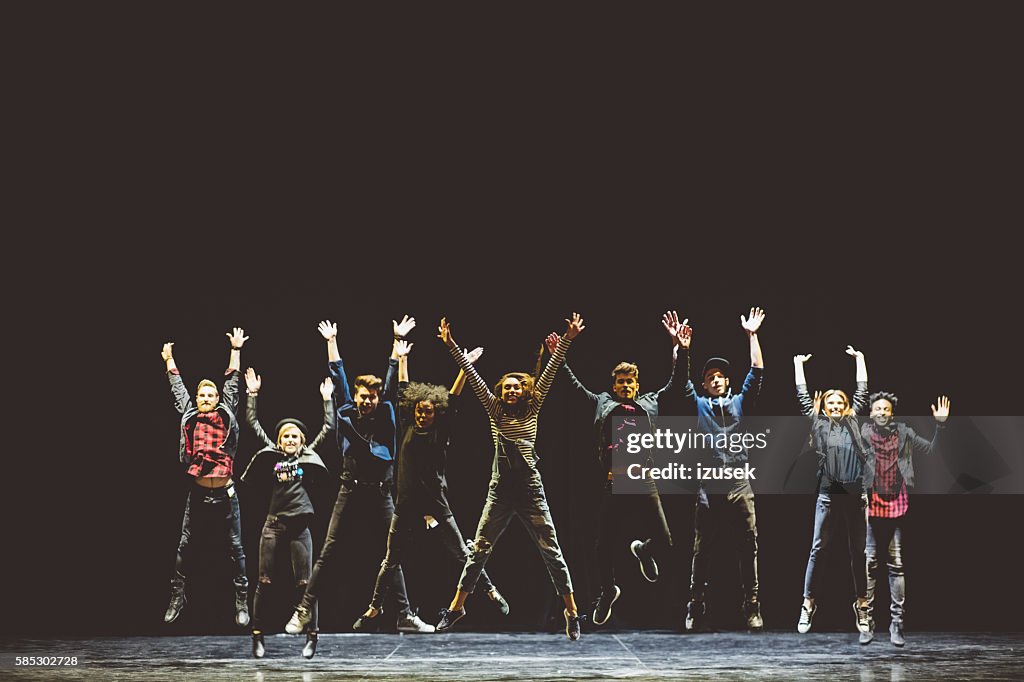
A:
(476, 382)
(253, 383)
(575, 326)
(330, 416)
(755, 377)
(182, 400)
(229, 396)
(806, 402)
(335, 367)
(399, 352)
(460, 379)
(860, 396)
(551, 342)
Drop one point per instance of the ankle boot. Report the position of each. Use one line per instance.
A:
(177, 602)
(258, 649)
(309, 651)
(241, 605)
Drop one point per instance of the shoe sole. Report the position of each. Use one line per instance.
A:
(632, 548)
(618, 593)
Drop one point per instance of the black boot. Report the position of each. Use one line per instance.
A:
(309, 651)
(177, 602)
(258, 649)
(241, 604)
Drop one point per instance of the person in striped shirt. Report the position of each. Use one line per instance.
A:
(516, 488)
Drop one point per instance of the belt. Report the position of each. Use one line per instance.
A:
(353, 483)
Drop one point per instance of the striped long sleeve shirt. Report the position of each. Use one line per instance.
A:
(520, 428)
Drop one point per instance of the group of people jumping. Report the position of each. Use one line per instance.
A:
(393, 436)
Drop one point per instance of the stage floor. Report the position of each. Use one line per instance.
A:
(529, 656)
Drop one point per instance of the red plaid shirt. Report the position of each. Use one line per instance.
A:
(889, 492)
(205, 446)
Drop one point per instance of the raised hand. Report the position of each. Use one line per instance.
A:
(817, 402)
(753, 323)
(473, 355)
(444, 332)
(551, 342)
(237, 338)
(853, 352)
(327, 389)
(253, 381)
(801, 359)
(402, 347)
(403, 328)
(670, 321)
(328, 329)
(575, 326)
(941, 413)
(168, 352)
(684, 335)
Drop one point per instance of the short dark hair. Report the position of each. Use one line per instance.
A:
(416, 392)
(884, 395)
(368, 381)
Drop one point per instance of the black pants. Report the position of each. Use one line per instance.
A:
(366, 506)
(612, 530)
(831, 510)
(284, 534)
(732, 515)
(404, 526)
(212, 512)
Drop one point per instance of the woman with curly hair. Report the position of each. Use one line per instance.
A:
(427, 414)
(836, 437)
(516, 488)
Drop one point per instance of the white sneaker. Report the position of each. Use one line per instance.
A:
(410, 622)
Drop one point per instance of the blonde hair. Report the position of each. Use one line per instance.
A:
(280, 433)
(626, 368)
(207, 382)
(847, 411)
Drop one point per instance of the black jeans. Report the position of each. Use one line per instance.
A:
(850, 510)
(212, 512)
(613, 513)
(404, 526)
(366, 506)
(732, 513)
(280, 534)
(887, 534)
(516, 493)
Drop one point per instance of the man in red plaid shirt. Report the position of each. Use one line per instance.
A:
(890, 471)
(209, 439)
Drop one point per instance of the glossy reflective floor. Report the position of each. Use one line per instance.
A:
(527, 656)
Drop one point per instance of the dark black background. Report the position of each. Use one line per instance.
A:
(852, 172)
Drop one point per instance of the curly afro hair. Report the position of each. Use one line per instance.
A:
(416, 392)
(884, 395)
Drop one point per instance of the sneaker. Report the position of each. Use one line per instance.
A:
(648, 566)
(241, 607)
(498, 600)
(694, 615)
(572, 626)
(309, 650)
(603, 605)
(258, 650)
(449, 618)
(299, 620)
(865, 624)
(366, 623)
(411, 622)
(177, 602)
(755, 623)
(896, 634)
(803, 626)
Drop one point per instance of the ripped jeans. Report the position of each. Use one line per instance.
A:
(516, 493)
(280, 534)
